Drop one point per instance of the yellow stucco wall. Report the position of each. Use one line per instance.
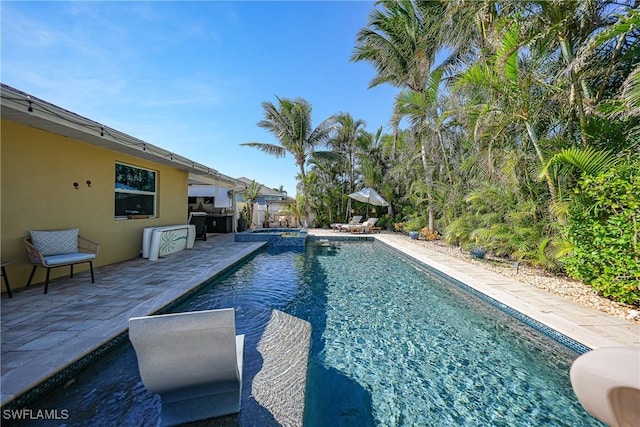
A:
(37, 193)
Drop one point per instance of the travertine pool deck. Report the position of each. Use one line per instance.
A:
(41, 334)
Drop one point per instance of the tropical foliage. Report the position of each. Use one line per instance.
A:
(514, 129)
(250, 194)
(604, 229)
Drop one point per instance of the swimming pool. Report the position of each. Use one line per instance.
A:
(390, 346)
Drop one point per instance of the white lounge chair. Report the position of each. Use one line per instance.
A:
(366, 227)
(192, 360)
(338, 226)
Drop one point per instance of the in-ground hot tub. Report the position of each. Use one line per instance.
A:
(275, 237)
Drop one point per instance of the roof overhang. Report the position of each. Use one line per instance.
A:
(28, 110)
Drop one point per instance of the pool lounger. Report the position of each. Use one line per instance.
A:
(192, 360)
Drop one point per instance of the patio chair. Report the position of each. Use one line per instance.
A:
(366, 227)
(199, 220)
(338, 226)
(192, 360)
(59, 248)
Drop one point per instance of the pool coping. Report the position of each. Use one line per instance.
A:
(568, 342)
(562, 319)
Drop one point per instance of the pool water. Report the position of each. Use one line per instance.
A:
(391, 346)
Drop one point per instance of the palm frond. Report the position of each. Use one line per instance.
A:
(631, 93)
(588, 160)
(507, 54)
(271, 149)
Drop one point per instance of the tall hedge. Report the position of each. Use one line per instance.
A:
(604, 230)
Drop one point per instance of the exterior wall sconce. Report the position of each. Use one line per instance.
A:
(75, 185)
(88, 183)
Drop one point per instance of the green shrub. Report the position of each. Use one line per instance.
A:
(604, 230)
(505, 223)
(416, 223)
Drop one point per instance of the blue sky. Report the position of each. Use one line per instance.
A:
(190, 77)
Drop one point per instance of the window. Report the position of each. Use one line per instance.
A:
(135, 191)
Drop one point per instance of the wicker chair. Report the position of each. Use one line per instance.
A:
(86, 252)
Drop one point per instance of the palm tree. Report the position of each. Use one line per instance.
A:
(620, 41)
(572, 31)
(290, 123)
(280, 189)
(401, 42)
(398, 43)
(422, 108)
(514, 92)
(345, 146)
(250, 194)
(344, 141)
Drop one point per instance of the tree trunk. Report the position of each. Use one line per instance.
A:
(306, 195)
(580, 88)
(427, 180)
(444, 155)
(432, 218)
(534, 140)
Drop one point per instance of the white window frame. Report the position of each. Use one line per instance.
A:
(127, 191)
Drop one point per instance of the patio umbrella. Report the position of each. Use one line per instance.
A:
(370, 196)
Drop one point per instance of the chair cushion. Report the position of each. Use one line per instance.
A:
(55, 242)
(68, 258)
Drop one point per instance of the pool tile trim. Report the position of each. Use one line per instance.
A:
(612, 337)
(554, 314)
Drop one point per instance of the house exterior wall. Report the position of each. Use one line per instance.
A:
(38, 169)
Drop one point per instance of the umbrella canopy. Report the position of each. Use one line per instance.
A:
(369, 195)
